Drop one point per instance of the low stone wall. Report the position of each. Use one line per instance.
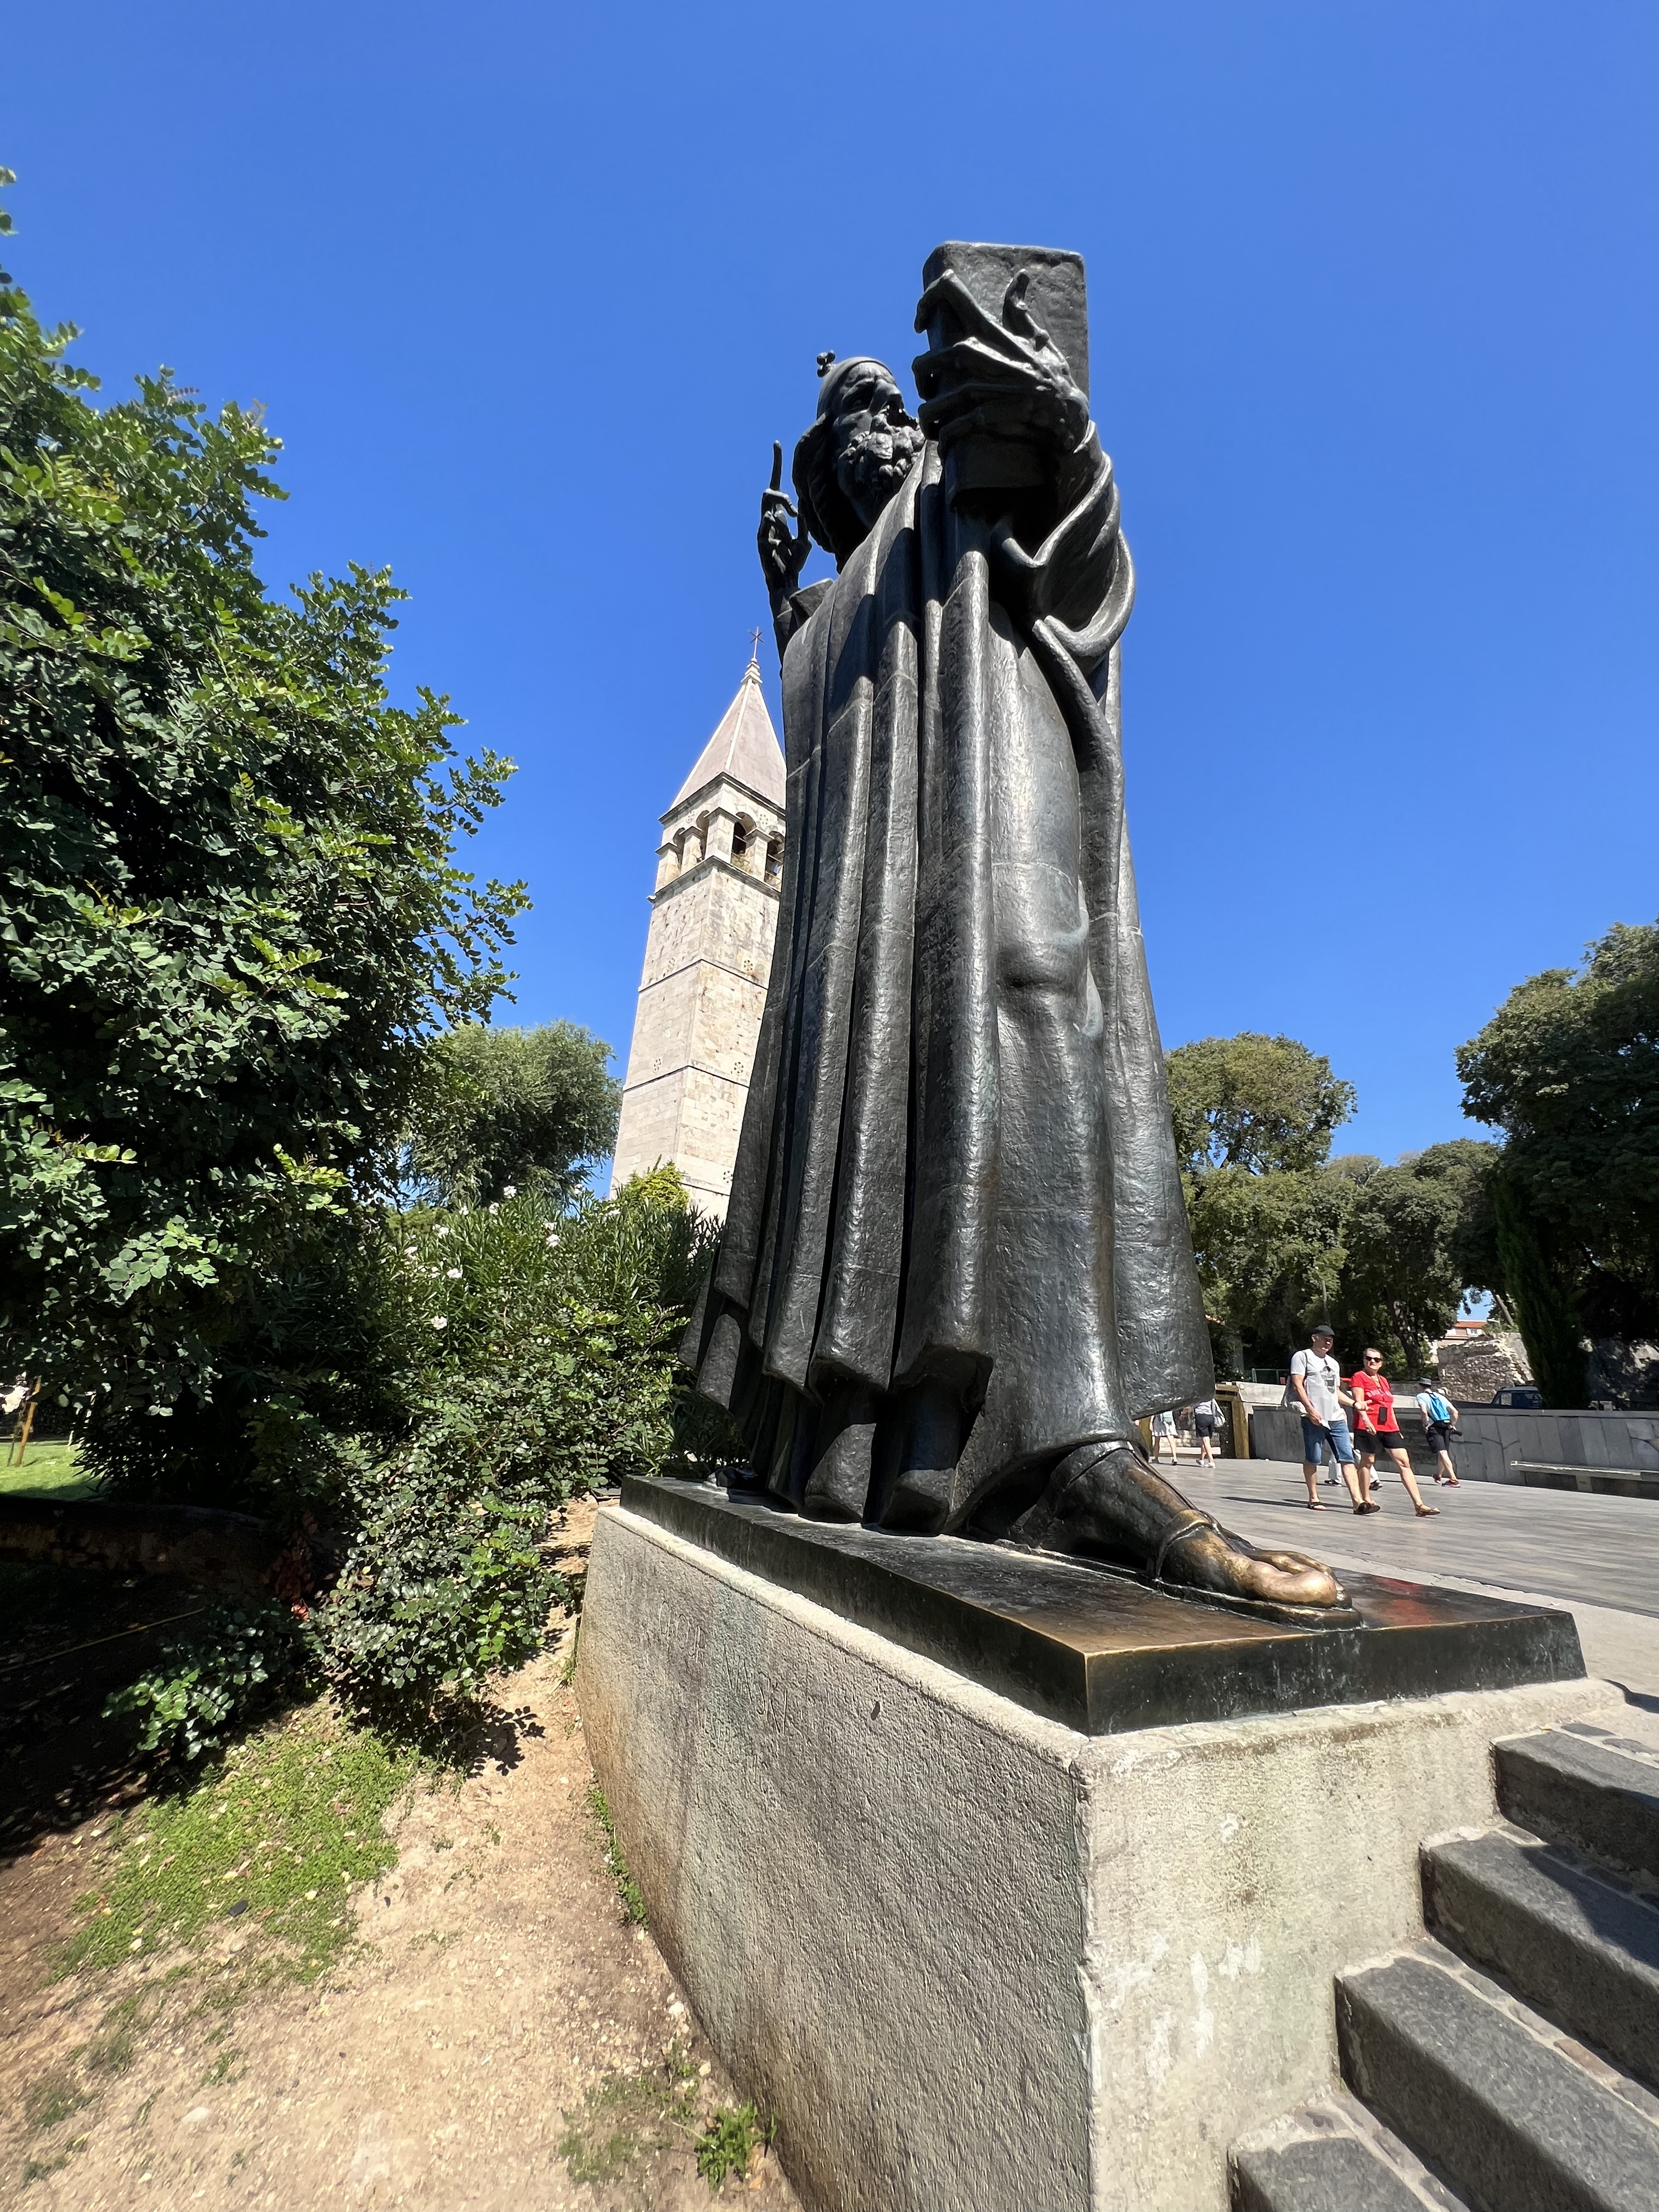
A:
(195, 1542)
(1505, 1443)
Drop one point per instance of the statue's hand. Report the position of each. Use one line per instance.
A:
(782, 552)
(1006, 379)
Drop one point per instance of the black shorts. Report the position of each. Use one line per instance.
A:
(1378, 1440)
(1439, 1434)
(1205, 1424)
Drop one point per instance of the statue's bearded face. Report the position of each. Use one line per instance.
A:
(876, 442)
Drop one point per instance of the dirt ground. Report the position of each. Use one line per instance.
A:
(498, 2030)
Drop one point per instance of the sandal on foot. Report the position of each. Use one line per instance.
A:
(1425, 1511)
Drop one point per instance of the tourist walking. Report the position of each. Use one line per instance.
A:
(1316, 1387)
(1206, 1423)
(1163, 1432)
(1439, 1419)
(1376, 1430)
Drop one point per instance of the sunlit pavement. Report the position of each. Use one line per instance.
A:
(1599, 1556)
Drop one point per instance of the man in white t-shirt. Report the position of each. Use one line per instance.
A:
(1316, 1382)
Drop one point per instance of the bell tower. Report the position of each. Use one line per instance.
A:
(708, 955)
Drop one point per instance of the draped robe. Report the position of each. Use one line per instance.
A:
(955, 1246)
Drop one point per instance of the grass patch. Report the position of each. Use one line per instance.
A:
(728, 2143)
(627, 2118)
(115, 2046)
(274, 1839)
(628, 1892)
(51, 2099)
(38, 2169)
(50, 1470)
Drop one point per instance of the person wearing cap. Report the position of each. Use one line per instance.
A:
(1316, 1382)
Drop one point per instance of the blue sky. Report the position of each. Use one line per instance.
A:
(528, 292)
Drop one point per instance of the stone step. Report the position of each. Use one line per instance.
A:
(1586, 1791)
(1574, 1943)
(1332, 2155)
(1486, 2095)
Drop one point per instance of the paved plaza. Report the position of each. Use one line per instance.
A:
(1599, 1556)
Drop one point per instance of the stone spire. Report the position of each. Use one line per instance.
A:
(708, 955)
(743, 749)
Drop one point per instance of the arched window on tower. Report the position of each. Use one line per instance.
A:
(740, 843)
(773, 858)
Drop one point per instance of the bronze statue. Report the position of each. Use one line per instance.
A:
(955, 1265)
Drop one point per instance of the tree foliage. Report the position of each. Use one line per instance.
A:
(1269, 1251)
(1261, 1103)
(529, 1108)
(1568, 1068)
(429, 1395)
(1406, 1244)
(1285, 1235)
(1539, 1291)
(229, 907)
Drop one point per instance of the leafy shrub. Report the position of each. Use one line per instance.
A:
(726, 2144)
(493, 1362)
(207, 1684)
(446, 1582)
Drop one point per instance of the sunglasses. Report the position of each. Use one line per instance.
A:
(1371, 1360)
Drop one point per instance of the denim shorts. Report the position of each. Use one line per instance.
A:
(1315, 1434)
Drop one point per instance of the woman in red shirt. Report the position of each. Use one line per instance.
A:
(1376, 1430)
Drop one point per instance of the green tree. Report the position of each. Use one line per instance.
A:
(230, 911)
(529, 1108)
(1285, 1236)
(1406, 1247)
(1254, 1102)
(1270, 1255)
(1540, 1292)
(1568, 1068)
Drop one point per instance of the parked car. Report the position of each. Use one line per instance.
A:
(1525, 1395)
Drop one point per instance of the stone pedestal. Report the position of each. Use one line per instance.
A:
(975, 1958)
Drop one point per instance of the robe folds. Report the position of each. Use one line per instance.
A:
(956, 1247)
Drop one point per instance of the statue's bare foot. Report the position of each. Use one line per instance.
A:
(1105, 1501)
(1204, 1556)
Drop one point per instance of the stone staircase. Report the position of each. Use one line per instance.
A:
(1509, 2063)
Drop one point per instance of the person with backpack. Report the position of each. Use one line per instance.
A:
(1376, 1430)
(1439, 1419)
